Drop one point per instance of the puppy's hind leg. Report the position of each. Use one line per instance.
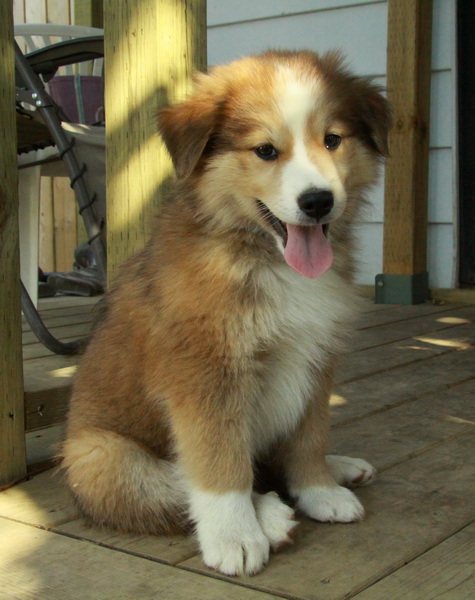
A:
(120, 484)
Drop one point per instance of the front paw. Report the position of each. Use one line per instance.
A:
(334, 504)
(276, 519)
(229, 534)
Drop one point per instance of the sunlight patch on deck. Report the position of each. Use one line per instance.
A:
(459, 344)
(336, 400)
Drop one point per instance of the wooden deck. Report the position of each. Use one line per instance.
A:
(404, 401)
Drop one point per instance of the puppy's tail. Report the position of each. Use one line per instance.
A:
(120, 484)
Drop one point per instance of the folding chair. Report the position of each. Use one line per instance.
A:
(31, 91)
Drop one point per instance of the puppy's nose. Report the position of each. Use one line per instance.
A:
(316, 204)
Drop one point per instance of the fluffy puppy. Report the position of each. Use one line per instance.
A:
(218, 348)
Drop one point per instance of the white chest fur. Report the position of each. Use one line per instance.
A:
(300, 329)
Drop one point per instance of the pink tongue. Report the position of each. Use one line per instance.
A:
(308, 250)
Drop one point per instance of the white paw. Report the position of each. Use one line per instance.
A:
(330, 504)
(351, 472)
(230, 537)
(276, 519)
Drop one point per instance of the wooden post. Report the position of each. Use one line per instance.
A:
(405, 278)
(152, 48)
(12, 423)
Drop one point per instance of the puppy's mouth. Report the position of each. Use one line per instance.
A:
(279, 226)
(306, 247)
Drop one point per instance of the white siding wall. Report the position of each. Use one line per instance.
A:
(359, 28)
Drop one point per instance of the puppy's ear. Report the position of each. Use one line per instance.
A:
(377, 116)
(186, 129)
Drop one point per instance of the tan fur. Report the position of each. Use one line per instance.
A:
(176, 387)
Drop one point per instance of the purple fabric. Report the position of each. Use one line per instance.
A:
(80, 96)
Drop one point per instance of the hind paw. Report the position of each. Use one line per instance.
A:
(333, 504)
(350, 472)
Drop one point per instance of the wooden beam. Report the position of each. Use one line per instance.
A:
(12, 425)
(406, 175)
(152, 48)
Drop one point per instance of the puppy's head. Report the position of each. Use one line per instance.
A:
(287, 141)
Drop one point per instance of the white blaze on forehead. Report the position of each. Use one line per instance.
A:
(297, 98)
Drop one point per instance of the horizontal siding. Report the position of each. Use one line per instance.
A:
(441, 190)
(318, 31)
(225, 12)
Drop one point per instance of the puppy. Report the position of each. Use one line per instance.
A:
(218, 348)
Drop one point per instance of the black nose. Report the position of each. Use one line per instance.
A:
(316, 204)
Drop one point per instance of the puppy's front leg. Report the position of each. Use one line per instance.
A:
(213, 448)
(308, 476)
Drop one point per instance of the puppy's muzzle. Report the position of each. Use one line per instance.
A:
(316, 204)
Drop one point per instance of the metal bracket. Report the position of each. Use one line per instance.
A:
(402, 289)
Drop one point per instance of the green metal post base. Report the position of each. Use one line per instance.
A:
(402, 289)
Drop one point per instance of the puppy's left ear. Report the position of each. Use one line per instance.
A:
(377, 117)
(186, 129)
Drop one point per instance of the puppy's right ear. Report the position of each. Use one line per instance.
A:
(186, 129)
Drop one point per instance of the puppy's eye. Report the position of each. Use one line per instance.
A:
(266, 152)
(332, 141)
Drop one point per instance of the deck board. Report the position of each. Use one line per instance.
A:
(413, 507)
(41, 565)
(383, 390)
(404, 401)
(451, 561)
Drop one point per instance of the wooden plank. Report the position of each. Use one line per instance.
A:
(41, 501)
(35, 11)
(62, 332)
(46, 236)
(401, 385)
(160, 43)
(42, 565)
(49, 372)
(64, 320)
(12, 433)
(168, 549)
(445, 572)
(412, 508)
(406, 180)
(67, 301)
(382, 358)
(38, 350)
(418, 326)
(391, 437)
(18, 11)
(410, 350)
(89, 13)
(402, 313)
(42, 445)
(59, 311)
(65, 224)
(58, 12)
(46, 407)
